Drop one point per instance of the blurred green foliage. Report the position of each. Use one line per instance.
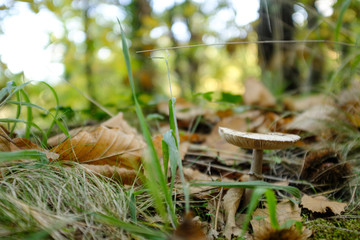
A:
(95, 69)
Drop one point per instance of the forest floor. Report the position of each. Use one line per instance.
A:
(95, 181)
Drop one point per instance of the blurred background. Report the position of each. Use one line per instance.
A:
(75, 46)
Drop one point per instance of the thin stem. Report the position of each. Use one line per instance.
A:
(255, 173)
(256, 165)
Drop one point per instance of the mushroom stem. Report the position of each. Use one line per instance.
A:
(255, 172)
(256, 165)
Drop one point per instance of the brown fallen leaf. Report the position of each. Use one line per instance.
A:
(257, 94)
(6, 144)
(117, 122)
(303, 103)
(231, 203)
(126, 176)
(316, 119)
(185, 111)
(17, 144)
(109, 143)
(321, 204)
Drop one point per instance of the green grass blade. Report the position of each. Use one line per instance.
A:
(28, 104)
(29, 114)
(31, 105)
(271, 201)
(175, 132)
(344, 7)
(132, 205)
(18, 112)
(13, 120)
(253, 184)
(12, 90)
(165, 152)
(24, 154)
(172, 119)
(155, 163)
(254, 201)
(173, 154)
(131, 228)
(55, 117)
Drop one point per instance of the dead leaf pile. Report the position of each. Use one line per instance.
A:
(112, 149)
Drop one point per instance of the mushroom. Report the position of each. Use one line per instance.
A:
(258, 142)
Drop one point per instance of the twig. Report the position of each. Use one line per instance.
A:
(218, 208)
(247, 42)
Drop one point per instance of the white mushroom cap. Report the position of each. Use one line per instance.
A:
(272, 140)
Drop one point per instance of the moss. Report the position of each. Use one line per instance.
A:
(335, 228)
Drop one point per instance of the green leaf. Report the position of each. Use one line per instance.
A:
(271, 201)
(140, 230)
(344, 6)
(174, 154)
(24, 154)
(254, 201)
(230, 98)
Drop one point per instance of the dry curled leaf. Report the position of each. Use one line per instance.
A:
(316, 119)
(231, 203)
(17, 144)
(5, 141)
(304, 103)
(321, 204)
(105, 144)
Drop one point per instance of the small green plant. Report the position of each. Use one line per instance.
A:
(23, 100)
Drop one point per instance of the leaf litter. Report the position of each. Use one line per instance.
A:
(114, 149)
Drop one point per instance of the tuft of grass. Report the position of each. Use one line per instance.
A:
(51, 200)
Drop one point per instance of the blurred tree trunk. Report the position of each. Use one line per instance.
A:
(187, 65)
(278, 58)
(140, 16)
(317, 65)
(89, 55)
